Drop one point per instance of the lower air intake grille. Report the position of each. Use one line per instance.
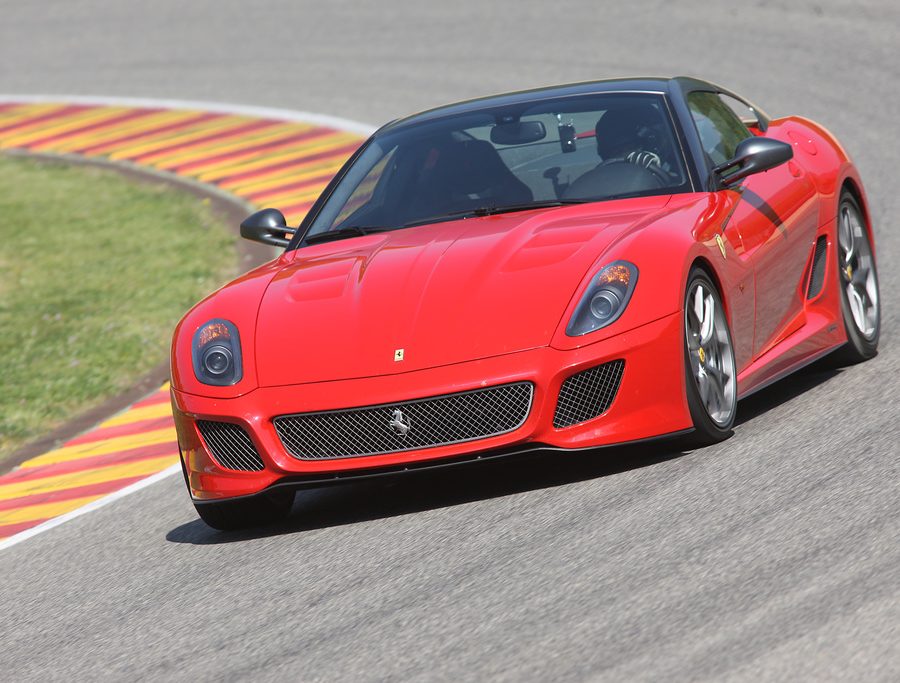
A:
(406, 425)
(588, 394)
(230, 445)
(817, 276)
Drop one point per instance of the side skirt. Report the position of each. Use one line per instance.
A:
(799, 365)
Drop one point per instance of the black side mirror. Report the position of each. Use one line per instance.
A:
(752, 156)
(267, 226)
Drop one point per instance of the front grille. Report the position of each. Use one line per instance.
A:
(406, 425)
(230, 445)
(589, 393)
(817, 275)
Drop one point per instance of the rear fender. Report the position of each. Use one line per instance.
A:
(829, 164)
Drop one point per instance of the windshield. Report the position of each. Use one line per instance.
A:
(544, 153)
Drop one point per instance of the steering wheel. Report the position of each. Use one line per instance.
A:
(650, 161)
(615, 177)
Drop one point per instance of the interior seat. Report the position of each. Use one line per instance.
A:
(467, 174)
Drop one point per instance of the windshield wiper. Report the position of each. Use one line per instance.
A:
(342, 233)
(492, 209)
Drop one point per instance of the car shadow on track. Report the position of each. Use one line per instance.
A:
(785, 390)
(411, 492)
(406, 493)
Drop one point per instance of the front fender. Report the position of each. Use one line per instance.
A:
(237, 302)
(664, 252)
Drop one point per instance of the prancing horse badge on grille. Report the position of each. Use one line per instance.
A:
(399, 423)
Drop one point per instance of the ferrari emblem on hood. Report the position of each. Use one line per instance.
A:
(398, 355)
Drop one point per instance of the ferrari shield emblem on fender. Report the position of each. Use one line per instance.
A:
(398, 355)
(399, 423)
(721, 245)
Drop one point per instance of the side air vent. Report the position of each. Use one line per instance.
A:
(230, 445)
(587, 394)
(817, 274)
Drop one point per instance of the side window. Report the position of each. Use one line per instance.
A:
(743, 111)
(719, 128)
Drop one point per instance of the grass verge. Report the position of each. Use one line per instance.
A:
(95, 270)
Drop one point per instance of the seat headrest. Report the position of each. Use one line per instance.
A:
(622, 127)
(473, 166)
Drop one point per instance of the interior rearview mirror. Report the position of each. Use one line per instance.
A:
(267, 226)
(518, 132)
(753, 155)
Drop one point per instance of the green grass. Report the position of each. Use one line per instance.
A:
(95, 270)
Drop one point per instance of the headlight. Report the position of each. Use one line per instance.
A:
(605, 298)
(216, 351)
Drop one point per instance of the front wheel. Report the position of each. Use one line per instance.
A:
(710, 376)
(230, 515)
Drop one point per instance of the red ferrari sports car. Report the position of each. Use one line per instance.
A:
(563, 268)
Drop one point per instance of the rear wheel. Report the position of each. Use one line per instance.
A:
(229, 515)
(710, 376)
(858, 284)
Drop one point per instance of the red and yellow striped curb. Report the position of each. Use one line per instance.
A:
(120, 451)
(264, 160)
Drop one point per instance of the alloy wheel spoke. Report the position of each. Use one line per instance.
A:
(703, 386)
(846, 236)
(857, 307)
(719, 373)
(697, 308)
(867, 309)
(714, 348)
(716, 394)
(871, 287)
(708, 322)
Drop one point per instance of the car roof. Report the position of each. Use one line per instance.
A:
(647, 84)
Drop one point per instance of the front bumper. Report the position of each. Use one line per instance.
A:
(650, 402)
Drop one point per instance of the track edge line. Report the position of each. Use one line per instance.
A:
(90, 507)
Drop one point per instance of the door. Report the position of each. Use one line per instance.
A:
(776, 219)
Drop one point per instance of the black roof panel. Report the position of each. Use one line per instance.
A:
(523, 96)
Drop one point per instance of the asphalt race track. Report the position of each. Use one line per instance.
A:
(774, 555)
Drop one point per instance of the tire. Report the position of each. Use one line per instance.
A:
(709, 369)
(231, 515)
(858, 291)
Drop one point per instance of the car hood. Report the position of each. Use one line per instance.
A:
(433, 295)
